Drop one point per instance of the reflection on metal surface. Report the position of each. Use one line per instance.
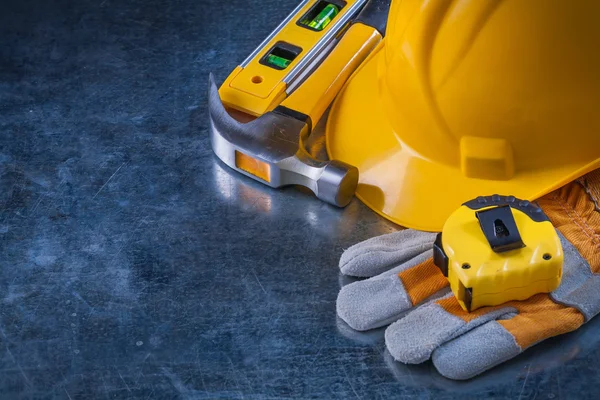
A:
(312, 217)
(259, 201)
(232, 189)
(223, 182)
(371, 337)
(323, 219)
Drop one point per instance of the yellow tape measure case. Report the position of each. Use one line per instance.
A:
(496, 249)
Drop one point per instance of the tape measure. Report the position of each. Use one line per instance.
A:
(496, 249)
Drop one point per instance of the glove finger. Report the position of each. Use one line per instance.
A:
(383, 299)
(378, 254)
(413, 339)
(538, 318)
(475, 351)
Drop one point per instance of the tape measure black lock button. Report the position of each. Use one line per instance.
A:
(494, 249)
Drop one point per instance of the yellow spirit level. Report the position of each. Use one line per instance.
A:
(496, 249)
(287, 56)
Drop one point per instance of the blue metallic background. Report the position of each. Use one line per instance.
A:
(133, 264)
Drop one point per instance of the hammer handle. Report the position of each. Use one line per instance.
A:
(318, 91)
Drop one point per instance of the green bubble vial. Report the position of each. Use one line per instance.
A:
(324, 18)
(277, 61)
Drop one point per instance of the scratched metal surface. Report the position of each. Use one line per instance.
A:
(134, 265)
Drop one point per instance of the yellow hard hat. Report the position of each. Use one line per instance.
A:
(471, 97)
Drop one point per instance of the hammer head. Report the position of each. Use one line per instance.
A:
(269, 149)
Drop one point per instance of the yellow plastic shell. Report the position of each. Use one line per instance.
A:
(315, 94)
(496, 278)
(471, 97)
(244, 99)
(257, 88)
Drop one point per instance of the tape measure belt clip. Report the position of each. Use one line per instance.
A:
(500, 229)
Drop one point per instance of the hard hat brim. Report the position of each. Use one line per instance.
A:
(398, 183)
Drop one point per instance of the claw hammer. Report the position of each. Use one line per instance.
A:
(270, 148)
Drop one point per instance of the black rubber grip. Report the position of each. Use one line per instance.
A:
(531, 209)
(375, 14)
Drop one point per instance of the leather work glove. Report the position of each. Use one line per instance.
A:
(405, 289)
